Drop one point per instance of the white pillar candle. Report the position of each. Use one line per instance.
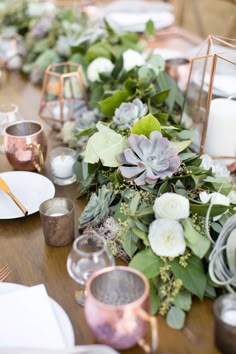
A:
(62, 166)
(221, 129)
(229, 317)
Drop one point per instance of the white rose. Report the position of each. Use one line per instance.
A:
(132, 58)
(98, 66)
(215, 198)
(171, 206)
(218, 198)
(166, 238)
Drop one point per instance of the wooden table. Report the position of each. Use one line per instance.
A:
(22, 246)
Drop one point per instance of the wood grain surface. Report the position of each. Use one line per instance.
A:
(22, 246)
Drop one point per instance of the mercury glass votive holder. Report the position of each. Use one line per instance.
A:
(62, 160)
(225, 323)
(58, 221)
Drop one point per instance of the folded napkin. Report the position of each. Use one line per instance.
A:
(27, 320)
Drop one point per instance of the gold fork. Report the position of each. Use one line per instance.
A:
(7, 190)
(4, 272)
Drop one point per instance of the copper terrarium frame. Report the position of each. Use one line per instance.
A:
(63, 96)
(217, 60)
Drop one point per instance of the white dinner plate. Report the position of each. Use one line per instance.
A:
(136, 22)
(62, 318)
(30, 188)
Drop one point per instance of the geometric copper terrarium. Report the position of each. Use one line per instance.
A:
(210, 100)
(63, 96)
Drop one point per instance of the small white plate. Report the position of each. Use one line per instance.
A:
(63, 320)
(30, 188)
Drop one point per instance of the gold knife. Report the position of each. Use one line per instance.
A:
(7, 190)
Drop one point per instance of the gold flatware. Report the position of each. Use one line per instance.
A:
(4, 272)
(7, 190)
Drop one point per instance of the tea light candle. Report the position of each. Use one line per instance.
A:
(62, 166)
(229, 317)
(221, 130)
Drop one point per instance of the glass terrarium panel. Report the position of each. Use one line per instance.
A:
(224, 84)
(196, 99)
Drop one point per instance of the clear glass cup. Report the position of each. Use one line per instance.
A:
(89, 254)
(9, 113)
(62, 160)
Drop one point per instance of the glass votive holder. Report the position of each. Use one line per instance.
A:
(225, 323)
(9, 113)
(62, 160)
(58, 221)
(178, 69)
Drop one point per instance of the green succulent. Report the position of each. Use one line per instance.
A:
(98, 207)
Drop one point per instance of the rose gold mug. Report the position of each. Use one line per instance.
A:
(117, 308)
(25, 145)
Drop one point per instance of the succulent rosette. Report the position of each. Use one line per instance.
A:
(129, 113)
(148, 160)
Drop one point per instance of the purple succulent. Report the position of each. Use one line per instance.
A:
(147, 160)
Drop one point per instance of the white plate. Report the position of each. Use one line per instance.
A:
(168, 53)
(136, 22)
(63, 319)
(30, 188)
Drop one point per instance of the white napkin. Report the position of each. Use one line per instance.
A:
(27, 320)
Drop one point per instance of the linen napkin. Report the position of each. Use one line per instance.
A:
(27, 320)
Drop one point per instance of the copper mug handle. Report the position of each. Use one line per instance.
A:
(154, 332)
(40, 164)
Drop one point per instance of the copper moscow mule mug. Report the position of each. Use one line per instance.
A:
(117, 308)
(25, 145)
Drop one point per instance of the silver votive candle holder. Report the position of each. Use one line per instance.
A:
(58, 221)
(225, 323)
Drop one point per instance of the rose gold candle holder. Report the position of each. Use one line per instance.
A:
(212, 77)
(63, 95)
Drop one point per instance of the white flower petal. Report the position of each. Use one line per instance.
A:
(218, 198)
(171, 206)
(204, 197)
(98, 66)
(166, 238)
(232, 197)
(132, 58)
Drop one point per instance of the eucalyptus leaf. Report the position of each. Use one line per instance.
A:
(175, 318)
(147, 263)
(183, 300)
(180, 145)
(154, 298)
(193, 276)
(149, 28)
(201, 209)
(141, 234)
(160, 97)
(198, 243)
(134, 203)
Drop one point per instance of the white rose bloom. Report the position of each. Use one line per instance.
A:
(171, 206)
(218, 198)
(204, 197)
(132, 58)
(98, 66)
(166, 238)
(215, 198)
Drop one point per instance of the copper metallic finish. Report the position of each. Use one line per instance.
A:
(57, 217)
(53, 93)
(25, 145)
(117, 308)
(178, 69)
(230, 44)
